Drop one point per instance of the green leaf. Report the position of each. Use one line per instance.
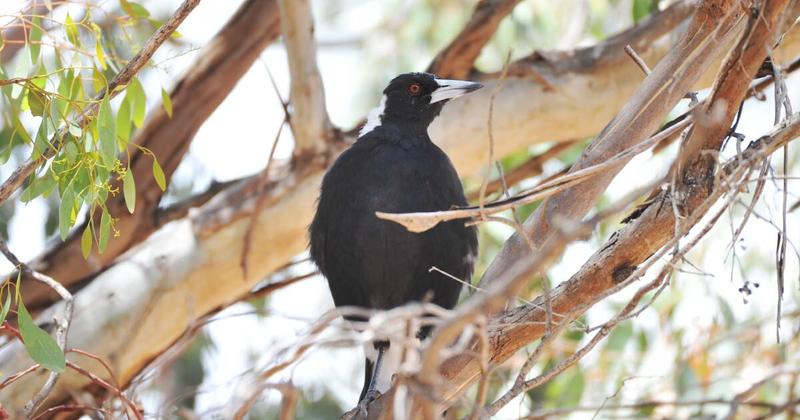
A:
(6, 307)
(101, 57)
(40, 345)
(41, 142)
(86, 241)
(40, 78)
(107, 130)
(99, 81)
(158, 174)
(134, 10)
(37, 101)
(71, 151)
(642, 8)
(65, 213)
(727, 312)
(642, 341)
(37, 187)
(129, 190)
(72, 31)
(35, 38)
(573, 389)
(620, 336)
(138, 101)
(124, 124)
(105, 231)
(167, 102)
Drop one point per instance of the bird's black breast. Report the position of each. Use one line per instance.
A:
(375, 263)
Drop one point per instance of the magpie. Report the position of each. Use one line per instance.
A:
(393, 167)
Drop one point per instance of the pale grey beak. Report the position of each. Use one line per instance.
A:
(449, 89)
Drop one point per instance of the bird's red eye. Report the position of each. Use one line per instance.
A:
(414, 89)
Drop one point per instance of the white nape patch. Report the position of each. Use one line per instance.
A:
(374, 118)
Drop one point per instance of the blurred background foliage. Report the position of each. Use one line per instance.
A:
(709, 335)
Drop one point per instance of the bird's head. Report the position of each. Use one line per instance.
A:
(415, 99)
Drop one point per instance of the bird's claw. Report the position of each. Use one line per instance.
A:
(368, 398)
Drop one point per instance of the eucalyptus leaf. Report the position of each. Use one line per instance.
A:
(42, 348)
(129, 190)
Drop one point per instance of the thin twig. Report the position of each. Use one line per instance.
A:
(490, 132)
(261, 183)
(102, 382)
(637, 59)
(422, 221)
(747, 393)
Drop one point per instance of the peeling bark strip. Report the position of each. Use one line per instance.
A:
(194, 98)
(175, 274)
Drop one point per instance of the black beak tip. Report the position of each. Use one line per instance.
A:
(474, 86)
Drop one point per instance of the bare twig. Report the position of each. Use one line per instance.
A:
(131, 406)
(560, 412)
(490, 133)
(420, 222)
(226, 57)
(654, 99)
(522, 385)
(781, 99)
(533, 167)
(16, 33)
(638, 60)
(741, 397)
(467, 313)
(260, 184)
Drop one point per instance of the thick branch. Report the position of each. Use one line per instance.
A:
(713, 23)
(607, 270)
(191, 267)
(309, 119)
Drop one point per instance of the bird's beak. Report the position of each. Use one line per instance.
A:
(449, 89)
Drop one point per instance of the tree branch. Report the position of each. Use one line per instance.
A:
(17, 178)
(309, 118)
(195, 97)
(176, 274)
(712, 25)
(457, 59)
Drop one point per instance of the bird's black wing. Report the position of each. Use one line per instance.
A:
(374, 263)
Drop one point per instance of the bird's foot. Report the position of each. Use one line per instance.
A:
(368, 398)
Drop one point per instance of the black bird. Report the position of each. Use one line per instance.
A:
(393, 167)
